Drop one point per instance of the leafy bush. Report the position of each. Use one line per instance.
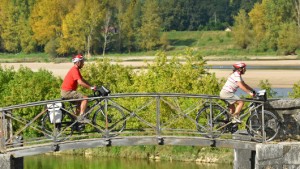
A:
(267, 86)
(25, 86)
(296, 91)
(162, 76)
(288, 40)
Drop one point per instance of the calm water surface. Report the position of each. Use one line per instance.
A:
(79, 162)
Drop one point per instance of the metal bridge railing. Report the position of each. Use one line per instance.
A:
(120, 115)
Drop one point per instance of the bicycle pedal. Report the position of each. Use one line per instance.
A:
(80, 127)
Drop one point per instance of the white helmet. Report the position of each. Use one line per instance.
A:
(77, 58)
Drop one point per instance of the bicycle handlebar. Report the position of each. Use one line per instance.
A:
(102, 91)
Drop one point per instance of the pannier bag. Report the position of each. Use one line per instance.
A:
(55, 113)
(262, 95)
(102, 91)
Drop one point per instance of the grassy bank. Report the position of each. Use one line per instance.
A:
(161, 153)
(216, 45)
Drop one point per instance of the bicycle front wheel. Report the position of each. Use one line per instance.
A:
(211, 121)
(271, 125)
(113, 121)
(58, 131)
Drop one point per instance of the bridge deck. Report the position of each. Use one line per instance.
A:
(129, 141)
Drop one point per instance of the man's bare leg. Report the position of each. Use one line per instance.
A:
(83, 106)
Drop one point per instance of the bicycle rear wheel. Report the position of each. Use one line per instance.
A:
(271, 125)
(211, 121)
(58, 131)
(115, 120)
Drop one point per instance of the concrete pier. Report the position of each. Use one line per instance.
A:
(8, 162)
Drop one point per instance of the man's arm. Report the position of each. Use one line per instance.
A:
(84, 83)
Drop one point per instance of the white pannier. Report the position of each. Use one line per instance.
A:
(55, 112)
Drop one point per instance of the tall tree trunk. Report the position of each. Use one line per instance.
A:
(106, 31)
(297, 6)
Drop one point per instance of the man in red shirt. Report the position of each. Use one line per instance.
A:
(70, 84)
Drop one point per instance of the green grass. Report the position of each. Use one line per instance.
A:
(218, 45)
(210, 43)
(33, 57)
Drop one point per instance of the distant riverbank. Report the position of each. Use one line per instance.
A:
(278, 78)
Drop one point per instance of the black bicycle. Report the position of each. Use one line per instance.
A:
(214, 120)
(60, 121)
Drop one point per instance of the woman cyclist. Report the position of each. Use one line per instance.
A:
(234, 82)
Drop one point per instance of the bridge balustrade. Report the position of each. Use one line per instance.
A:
(152, 119)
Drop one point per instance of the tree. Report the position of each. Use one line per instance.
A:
(257, 21)
(297, 8)
(267, 19)
(80, 27)
(46, 19)
(9, 26)
(242, 30)
(16, 32)
(149, 33)
(128, 27)
(288, 38)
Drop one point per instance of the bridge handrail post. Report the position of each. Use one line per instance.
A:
(106, 118)
(3, 131)
(158, 127)
(210, 115)
(263, 123)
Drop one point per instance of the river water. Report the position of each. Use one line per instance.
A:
(280, 92)
(80, 162)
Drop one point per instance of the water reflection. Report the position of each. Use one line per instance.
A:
(79, 162)
(280, 92)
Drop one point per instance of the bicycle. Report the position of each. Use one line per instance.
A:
(60, 121)
(214, 120)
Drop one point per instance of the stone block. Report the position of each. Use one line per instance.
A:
(269, 154)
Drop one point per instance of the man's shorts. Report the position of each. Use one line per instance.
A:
(227, 95)
(72, 94)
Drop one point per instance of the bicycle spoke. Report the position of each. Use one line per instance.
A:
(113, 122)
(271, 125)
(212, 121)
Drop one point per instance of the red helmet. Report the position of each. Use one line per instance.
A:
(77, 58)
(239, 65)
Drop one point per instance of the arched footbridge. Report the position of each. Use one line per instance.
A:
(127, 120)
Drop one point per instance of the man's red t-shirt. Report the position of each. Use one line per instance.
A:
(70, 81)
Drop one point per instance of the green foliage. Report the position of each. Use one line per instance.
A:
(271, 20)
(51, 48)
(149, 32)
(164, 41)
(114, 76)
(242, 30)
(296, 91)
(26, 86)
(288, 40)
(6, 75)
(81, 26)
(9, 27)
(190, 77)
(46, 19)
(267, 86)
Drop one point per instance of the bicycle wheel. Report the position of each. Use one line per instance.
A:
(115, 120)
(212, 124)
(58, 131)
(271, 125)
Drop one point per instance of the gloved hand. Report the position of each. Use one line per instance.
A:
(94, 88)
(253, 93)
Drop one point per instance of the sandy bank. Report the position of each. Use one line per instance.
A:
(278, 78)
